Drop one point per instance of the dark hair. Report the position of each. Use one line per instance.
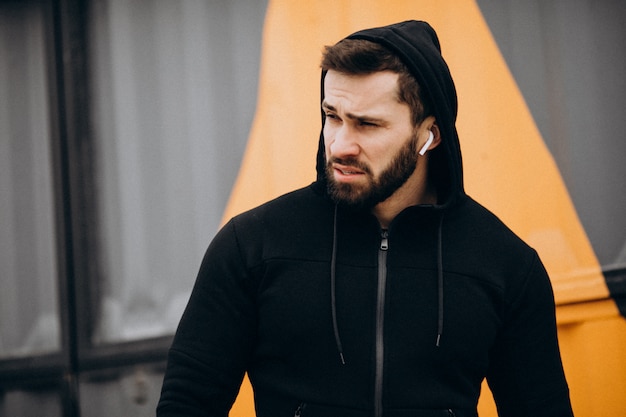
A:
(362, 57)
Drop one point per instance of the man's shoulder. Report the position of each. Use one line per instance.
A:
(486, 247)
(473, 219)
(294, 225)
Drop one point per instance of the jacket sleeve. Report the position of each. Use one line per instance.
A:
(211, 348)
(526, 374)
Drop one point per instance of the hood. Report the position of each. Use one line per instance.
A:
(417, 45)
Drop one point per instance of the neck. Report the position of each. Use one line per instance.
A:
(414, 192)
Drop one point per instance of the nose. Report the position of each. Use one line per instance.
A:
(343, 142)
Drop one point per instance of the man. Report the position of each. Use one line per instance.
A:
(382, 289)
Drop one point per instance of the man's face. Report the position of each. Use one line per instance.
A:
(370, 141)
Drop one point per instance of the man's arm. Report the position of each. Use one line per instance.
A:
(210, 352)
(526, 375)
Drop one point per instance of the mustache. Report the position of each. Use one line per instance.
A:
(350, 162)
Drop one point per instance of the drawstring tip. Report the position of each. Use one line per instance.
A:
(343, 361)
(438, 339)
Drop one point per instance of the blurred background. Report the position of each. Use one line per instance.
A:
(123, 127)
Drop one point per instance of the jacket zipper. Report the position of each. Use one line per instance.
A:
(380, 321)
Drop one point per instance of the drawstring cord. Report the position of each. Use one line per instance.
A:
(333, 296)
(440, 281)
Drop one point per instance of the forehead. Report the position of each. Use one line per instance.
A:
(375, 90)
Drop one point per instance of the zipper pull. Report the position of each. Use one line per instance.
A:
(384, 240)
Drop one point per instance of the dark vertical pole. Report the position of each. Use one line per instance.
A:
(73, 185)
(57, 46)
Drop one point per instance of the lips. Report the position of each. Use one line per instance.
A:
(347, 170)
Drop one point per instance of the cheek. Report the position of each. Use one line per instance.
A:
(328, 139)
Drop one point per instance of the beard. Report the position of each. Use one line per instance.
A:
(376, 190)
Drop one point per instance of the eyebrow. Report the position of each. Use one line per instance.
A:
(352, 116)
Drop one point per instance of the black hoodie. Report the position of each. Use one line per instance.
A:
(333, 317)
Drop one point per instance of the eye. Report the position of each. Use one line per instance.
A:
(331, 116)
(365, 123)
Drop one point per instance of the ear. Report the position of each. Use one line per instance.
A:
(436, 136)
(430, 136)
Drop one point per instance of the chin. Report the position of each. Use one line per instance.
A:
(346, 196)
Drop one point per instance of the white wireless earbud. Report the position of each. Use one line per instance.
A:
(429, 142)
